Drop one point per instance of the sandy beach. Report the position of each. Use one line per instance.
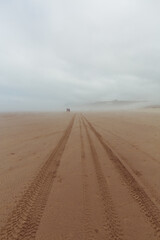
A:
(75, 176)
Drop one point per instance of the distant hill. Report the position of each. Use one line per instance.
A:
(111, 105)
(115, 102)
(153, 106)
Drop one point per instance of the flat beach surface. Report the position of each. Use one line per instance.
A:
(75, 176)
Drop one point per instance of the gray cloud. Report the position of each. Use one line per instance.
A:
(54, 53)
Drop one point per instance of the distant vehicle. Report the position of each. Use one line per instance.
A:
(68, 109)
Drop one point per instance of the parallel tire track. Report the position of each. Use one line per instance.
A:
(88, 229)
(111, 221)
(147, 206)
(129, 143)
(25, 218)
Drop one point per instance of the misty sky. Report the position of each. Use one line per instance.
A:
(54, 53)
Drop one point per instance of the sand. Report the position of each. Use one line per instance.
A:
(75, 176)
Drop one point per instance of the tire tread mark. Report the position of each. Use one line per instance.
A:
(147, 206)
(88, 228)
(111, 221)
(25, 217)
(129, 143)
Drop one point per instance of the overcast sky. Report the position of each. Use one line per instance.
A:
(54, 53)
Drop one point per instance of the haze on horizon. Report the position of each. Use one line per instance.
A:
(57, 53)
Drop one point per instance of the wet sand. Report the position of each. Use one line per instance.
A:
(80, 176)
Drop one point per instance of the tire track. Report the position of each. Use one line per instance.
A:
(25, 217)
(147, 206)
(138, 151)
(88, 228)
(111, 221)
(129, 143)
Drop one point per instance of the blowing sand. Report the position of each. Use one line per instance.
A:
(67, 176)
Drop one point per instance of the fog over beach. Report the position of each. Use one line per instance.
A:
(56, 54)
